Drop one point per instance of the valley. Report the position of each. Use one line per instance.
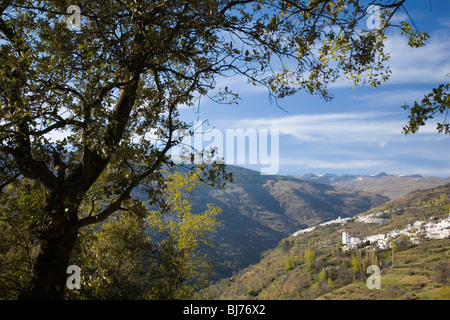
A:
(315, 264)
(260, 210)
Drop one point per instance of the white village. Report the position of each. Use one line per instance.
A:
(416, 232)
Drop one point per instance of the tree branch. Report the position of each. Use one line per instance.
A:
(126, 194)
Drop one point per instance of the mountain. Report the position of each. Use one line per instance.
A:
(392, 186)
(260, 210)
(316, 265)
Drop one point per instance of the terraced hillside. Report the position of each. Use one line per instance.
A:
(314, 265)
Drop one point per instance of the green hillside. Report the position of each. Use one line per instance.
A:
(315, 266)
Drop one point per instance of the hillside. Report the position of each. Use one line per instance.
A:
(392, 186)
(313, 265)
(260, 210)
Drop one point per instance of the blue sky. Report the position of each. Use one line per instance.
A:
(360, 130)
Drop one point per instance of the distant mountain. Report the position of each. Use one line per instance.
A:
(260, 210)
(392, 186)
(313, 265)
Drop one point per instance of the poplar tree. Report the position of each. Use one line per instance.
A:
(310, 256)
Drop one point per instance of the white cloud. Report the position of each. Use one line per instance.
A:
(351, 142)
(428, 64)
(332, 127)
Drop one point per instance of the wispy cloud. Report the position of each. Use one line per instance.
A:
(396, 97)
(428, 64)
(332, 127)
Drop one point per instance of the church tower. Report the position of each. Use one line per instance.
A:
(344, 237)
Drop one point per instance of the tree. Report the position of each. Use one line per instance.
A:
(355, 266)
(434, 103)
(116, 259)
(90, 113)
(322, 275)
(443, 272)
(393, 256)
(330, 283)
(310, 257)
(288, 264)
(180, 269)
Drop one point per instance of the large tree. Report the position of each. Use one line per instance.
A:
(90, 112)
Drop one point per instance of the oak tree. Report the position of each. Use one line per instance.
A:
(89, 93)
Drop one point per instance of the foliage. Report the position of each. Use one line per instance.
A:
(288, 265)
(322, 275)
(183, 233)
(123, 75)
(125, 257)
(434, 103)
(116, 260)
(310, 257)
(21, 205)
(440, 202)
(143, 254)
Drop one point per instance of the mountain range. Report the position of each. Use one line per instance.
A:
(389, 185)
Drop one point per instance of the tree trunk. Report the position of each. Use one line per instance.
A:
(49, 273)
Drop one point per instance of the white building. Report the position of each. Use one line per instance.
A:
(349, 240)
(345, 238)
(375, 238)
(382, 244)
